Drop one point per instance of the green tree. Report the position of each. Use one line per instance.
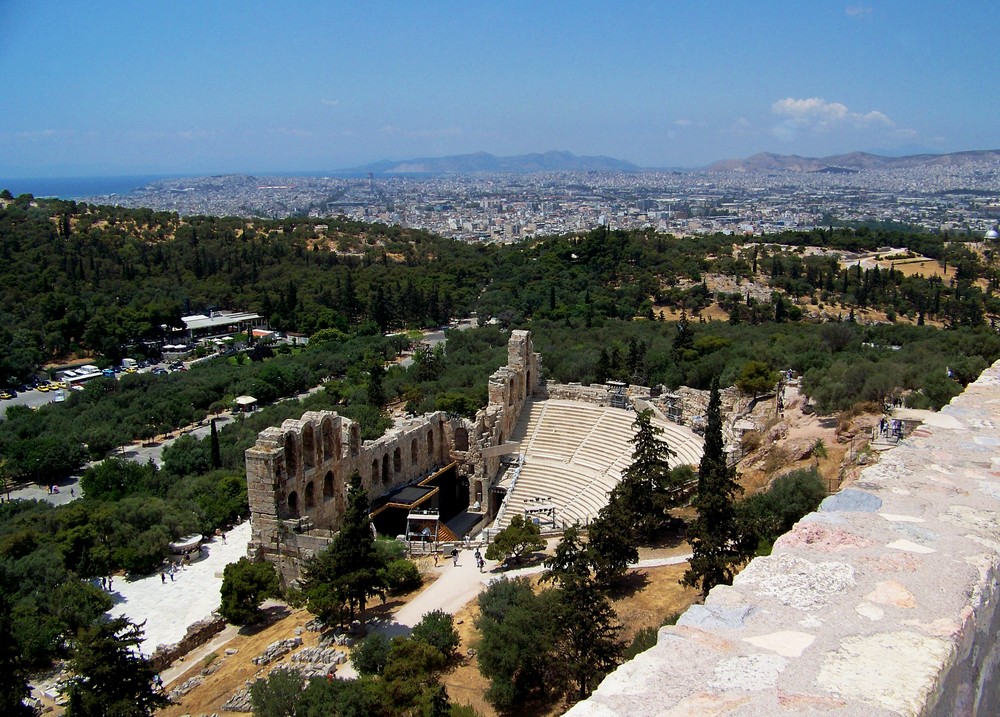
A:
(517, 645)
(588, 641)
(369, 656)
(756, 378)
(519, 537)
(216, 450)
(245, 585)
(570, 562)
(110, 677)
(718, 547)
(351, 569)
(411, 673)
(278, 695)
(645, 489)
(437, 629)
(14, 687)
(612, 542)
(376, 391)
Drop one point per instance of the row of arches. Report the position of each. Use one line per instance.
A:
(332, 490)
(390, 466)
(302, 452)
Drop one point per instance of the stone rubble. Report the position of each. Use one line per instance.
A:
(277, 650)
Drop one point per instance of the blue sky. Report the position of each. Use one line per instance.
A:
(210, 87)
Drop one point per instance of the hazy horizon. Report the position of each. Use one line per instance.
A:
(193, 88)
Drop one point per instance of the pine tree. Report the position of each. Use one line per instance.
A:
(350, 570)
(646, 481)
(110, 677)
(684, 339)
(717, 546)
(587, 642)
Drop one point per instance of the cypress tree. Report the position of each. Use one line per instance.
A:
(216, 451)
(717, 546)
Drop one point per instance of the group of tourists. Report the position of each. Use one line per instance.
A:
(455, 552)
(890, 427)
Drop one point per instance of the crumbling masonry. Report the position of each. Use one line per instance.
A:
(297, 474)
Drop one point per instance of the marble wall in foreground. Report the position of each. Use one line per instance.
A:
(881, 603)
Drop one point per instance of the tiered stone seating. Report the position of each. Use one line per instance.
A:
(575, 454)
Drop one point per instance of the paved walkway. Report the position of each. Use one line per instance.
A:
(457, 586)
(168, 609)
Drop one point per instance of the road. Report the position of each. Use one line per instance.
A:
(436, 336)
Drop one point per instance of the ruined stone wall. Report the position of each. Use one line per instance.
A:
(298, 473)
(298, 476)
(883, 602)
(510, 387)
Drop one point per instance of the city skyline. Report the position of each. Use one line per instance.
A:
(253, 87)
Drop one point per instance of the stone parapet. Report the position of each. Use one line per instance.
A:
(881, 603)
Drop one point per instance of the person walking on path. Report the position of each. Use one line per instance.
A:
(163, 578)
(454, 556)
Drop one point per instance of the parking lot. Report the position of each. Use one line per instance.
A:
(33, 398)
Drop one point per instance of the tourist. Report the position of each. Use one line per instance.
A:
(454, 556)
(163, 578)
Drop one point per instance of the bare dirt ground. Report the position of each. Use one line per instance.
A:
(713, 312)
(648, 597)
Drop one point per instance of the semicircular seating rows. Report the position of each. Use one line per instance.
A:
(574, 455)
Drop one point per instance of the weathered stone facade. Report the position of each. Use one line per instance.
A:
(298, 473)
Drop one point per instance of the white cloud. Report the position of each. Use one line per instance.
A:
(818, 115)
(329, 103)
(741, 127)
(683, 122)
(857, 10)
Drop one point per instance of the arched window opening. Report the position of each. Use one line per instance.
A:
(308, 447)
(328, 485)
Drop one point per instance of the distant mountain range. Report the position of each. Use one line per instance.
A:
(489, 163)
(852, 162)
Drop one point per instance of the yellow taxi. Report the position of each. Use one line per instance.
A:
(4, 395)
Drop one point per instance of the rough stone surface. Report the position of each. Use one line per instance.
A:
(298, 473)
(882, 603)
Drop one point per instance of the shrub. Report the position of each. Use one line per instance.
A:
(370, 656)
(402, 576)
(644, 639)
(437, 629)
